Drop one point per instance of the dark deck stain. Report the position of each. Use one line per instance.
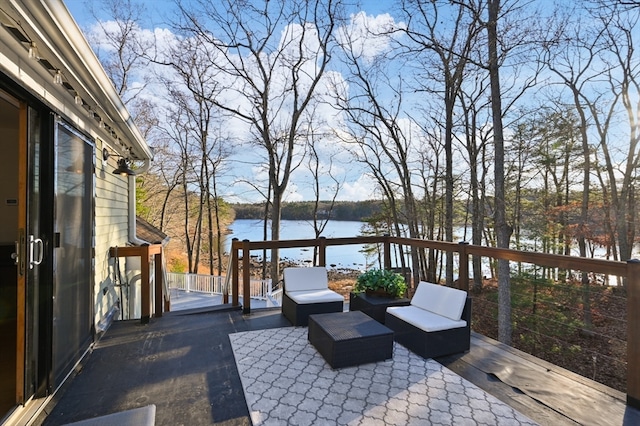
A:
(183, 363)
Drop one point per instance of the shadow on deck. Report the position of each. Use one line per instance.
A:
(183, 363)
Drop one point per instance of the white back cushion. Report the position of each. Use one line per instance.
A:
(446, 301)
(301, 279)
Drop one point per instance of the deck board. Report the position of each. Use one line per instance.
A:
(183, 363)
(549, 394)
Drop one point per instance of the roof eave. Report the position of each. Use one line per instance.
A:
(63, 45)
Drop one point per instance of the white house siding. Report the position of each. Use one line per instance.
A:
(111, 230)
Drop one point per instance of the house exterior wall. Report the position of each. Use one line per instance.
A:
(119, 136)
(111, 230)
(63, 85)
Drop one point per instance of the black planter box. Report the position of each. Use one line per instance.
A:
(374, 306)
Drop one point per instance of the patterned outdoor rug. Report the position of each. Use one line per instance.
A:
(286, 381)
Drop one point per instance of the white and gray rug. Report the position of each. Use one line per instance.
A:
(286, 381)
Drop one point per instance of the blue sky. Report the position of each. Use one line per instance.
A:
(158, 10)
(418, 108)
(356, 184)
(81, 10)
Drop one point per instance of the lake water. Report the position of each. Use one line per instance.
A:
(348, 256)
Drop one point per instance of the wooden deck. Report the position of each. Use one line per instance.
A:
(183, 363)
(543, 391)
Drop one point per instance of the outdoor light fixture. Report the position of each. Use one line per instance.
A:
(33, 51)
(57, 77)
(123, 168)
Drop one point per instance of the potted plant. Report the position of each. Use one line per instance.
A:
(380, 282)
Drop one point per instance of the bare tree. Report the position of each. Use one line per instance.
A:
(320, 172)
(511, 40)
(273, 55)
(447, 55)
(503, 229)
(383, 134)
(178, 130)
(431, 206)
(598, 65)
(119, 44)
(474, 101)
(620, 34)
(193, 85)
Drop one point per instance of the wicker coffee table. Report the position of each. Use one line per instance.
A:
(346, 339)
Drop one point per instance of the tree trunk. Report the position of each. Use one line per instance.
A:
(503, 230)
(584, 210)
(276, 214)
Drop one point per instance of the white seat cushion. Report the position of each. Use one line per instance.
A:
(301, 279)
(315, 296)
(424, 320)
(445, 301)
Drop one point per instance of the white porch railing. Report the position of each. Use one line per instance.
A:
(212, 284)
(274, 298)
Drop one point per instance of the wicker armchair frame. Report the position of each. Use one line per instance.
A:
(298, 313)
(432, 344)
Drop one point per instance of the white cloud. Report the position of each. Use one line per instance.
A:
(368, 35)
(292, 194)
(361, 189)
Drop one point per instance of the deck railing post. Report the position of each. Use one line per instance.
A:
(145, 252)
(633, 332)
(386, 252)
(246, 278)
(463, 266)
(159, 289)
(235, 279)
(145, 286)
(322, 251)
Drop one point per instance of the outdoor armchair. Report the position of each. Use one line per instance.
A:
(306, 292)
(437, 323)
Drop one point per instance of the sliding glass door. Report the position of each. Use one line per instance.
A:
(73, 249)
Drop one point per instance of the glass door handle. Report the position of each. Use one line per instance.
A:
(35, 244)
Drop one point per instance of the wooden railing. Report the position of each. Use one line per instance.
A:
(629, 270)
(145, 253)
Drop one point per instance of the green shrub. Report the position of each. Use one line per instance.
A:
(381, 279)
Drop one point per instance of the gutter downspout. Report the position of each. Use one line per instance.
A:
(134, 264)
(133, 238)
